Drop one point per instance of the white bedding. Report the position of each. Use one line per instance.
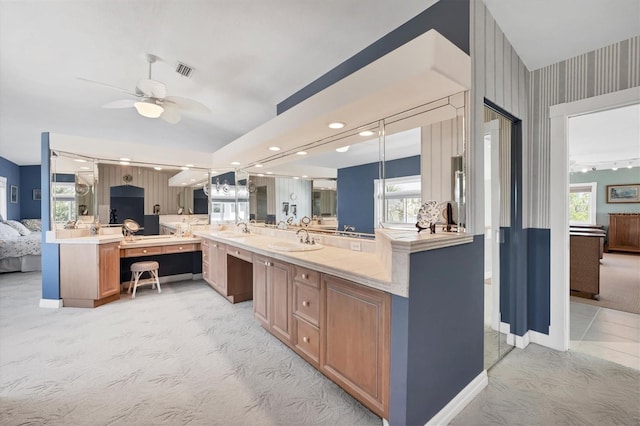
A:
(22, 246)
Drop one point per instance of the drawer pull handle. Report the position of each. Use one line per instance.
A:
(180, 248)
(305, 303)
(237, 252)
(306, 339)
(144, 251)
(304, 276)
(215, 245)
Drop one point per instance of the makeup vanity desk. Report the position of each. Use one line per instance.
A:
(93, 269)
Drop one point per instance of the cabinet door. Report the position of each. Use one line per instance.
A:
(354, 348)
(109, 261)
(260, 290)
(280, 318)
(218, 266)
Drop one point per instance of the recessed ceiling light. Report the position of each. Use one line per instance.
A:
(85, 168)
(235, 163)
(125, 163)
(343, 149)
(305, 176)
(213, 172)
(366, 133)
(189, 165)
(192, 180)
(184, 168)
(184, 183)
(269, 173)
(125, 159)
(258, 165)
(296, 177)
(336, 125)
(79, 160)
(274, 148)
(585, 170)
(158, 168)
(301, 153)
(260, 174)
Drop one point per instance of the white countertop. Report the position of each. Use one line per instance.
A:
(116, 238)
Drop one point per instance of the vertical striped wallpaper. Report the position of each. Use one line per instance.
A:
(155, 184)
(302, 190)
(440, 142)
(270, 183)
(499, 75)
(609, 69)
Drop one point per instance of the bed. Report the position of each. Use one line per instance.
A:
(20, 251)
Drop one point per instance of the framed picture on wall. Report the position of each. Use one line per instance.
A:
(14, 194)
(37, 194)
(629, 193)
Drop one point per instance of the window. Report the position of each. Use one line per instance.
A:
(402, 200)
(582, 203)
(64, 205)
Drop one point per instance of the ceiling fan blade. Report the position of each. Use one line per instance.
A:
(171, 114)
(152, 88)
(121, 103)
(188, 104)
(128, 92)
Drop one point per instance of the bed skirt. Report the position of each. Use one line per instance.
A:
(27, 263)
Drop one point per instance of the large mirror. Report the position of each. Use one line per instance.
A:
(85, 190)
(378, 175)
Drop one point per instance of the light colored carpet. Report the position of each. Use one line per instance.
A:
(619, 283)
(185, 356)
(540, 386)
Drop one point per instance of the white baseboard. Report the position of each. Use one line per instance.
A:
(505, 328)
(51, 303)
(385, 422)
(519, 342)
(461, 400)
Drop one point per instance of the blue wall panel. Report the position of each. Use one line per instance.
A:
(29, 180)
(50, 252)
(538, 279)
(356, 203)
(445, 331)
(11, 171)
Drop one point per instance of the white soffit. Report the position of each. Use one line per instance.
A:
(423, 70)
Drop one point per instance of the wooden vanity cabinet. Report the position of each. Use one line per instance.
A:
(355, 340)
(272, 295)
(214, 265)
(306, 314)
(624, 232)
(89, 274)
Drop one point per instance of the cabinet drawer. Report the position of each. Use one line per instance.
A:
(205, 272)
(178, 248)
(306, 302)
(142, 251)
(240, 253)
(307, 339)
(306, 276)
(205, 244)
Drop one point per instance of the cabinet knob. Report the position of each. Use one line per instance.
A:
(144, 251)
(237, 252)
(304, 276)
(306, 339)
(215, 245)
(305, 303)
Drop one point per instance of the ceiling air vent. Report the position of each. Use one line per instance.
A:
(184, 70)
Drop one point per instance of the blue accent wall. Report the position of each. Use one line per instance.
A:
(50, 252)
(538, 279)
(437, 333)
(355, 187)
(449, 17)
(29, 180)
(11, 171)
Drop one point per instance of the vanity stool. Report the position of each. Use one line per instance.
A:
(137, 269)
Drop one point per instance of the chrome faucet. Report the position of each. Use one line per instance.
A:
(306, 240)
(245, 229)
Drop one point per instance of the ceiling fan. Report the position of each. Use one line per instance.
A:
(151, 100)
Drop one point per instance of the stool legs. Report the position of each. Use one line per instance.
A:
(135, 278)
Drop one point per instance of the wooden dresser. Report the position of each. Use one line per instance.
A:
(624, 232)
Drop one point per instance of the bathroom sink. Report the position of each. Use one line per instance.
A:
(293, 246)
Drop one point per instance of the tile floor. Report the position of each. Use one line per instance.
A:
(605, 333)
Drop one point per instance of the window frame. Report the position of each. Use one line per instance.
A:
(587, 187)
(380, 199)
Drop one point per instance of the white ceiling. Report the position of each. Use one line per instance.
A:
(247, 55)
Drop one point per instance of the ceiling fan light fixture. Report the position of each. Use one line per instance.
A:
(148, 109)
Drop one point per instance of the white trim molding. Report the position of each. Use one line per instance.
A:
(559, 206)
(461, 400)
(50, 303)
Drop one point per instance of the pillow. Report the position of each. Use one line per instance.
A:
(32, 225)
(8, 233)
(18, 227)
